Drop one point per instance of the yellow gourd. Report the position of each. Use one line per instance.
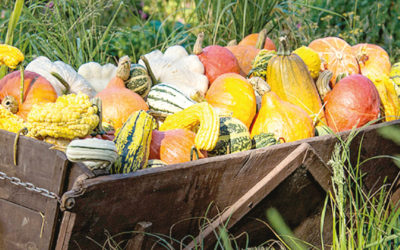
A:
(282, 119)
(202, 116)
(289, 78)
(10, 56)
(311, 58)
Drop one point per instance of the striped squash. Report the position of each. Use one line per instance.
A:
(155, 163)
(233, 137)
(200, 117)
(93, 152)
(166, 99)
(264, 140)
(139, 80)
(133, 143)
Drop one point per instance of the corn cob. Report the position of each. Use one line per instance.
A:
(69, 117)
(201, 115)
(10, 56)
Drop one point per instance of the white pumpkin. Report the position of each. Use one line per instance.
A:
(178, 68)
(44, 67)
(97, 75)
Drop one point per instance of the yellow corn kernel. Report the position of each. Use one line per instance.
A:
(10, 56)
(201, 115)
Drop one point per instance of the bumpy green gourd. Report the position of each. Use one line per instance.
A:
(139, 80)
(233, 137)
(264, 140)
(133, 143)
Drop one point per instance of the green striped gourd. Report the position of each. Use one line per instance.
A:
(166, 99)
(260, 63)
(133, 143)
(264, 140)
(139, 80)
(94, 153)
(155, 163)
(233, 137)
(395, 77)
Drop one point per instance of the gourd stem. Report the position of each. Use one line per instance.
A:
(62, 81)
(259, 85)
(196, 151)
(198, 97)
(323, 83)
(22, 131)
(124, 68)
(10, 103)
(232, 43)
(198, 46)
(261, 39)
(283, 49)
(152, 76)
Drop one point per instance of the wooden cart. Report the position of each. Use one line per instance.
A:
(47, 202)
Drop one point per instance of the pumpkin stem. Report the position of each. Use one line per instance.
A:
(196, 151)
(259, 85)
(152, 76)
(157, 115)
(261, 39)
(10, 103)
(124, 68)
(22, 131)
(323, 83)
(62, 81)
(284, 49)
(232, 43)
(198, 46)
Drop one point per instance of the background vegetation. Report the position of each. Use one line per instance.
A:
(96, 30)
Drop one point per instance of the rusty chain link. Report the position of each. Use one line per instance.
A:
(29, 186)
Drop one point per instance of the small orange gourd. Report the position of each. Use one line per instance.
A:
(118, 101)
(232, 93)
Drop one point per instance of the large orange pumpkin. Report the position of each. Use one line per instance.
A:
(353, 102)
(252, 40)
(336, 55)
(37, 90)
(217, 60)
(174, 146)
(372, 59)
(119, 102)
(232, 93)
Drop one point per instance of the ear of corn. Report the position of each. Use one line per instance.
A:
(201, 115)
(69, 117)
(10, 56)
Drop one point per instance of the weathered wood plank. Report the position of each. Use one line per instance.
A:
(65, 232)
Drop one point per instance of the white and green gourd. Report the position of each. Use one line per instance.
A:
(94, 153)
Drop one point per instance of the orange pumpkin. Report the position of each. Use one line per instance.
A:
(252, 40)
(245, 55)
(217, 60)
(353, 102)
(336, 55)
(37, 90)
(119, 102)
(372, 59)
(232, 93)
(174, 146)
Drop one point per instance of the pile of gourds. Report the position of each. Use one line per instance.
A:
(174, 107)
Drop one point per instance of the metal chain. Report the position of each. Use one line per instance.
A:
(29, 186)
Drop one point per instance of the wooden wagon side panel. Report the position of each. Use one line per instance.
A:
(27, 212)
